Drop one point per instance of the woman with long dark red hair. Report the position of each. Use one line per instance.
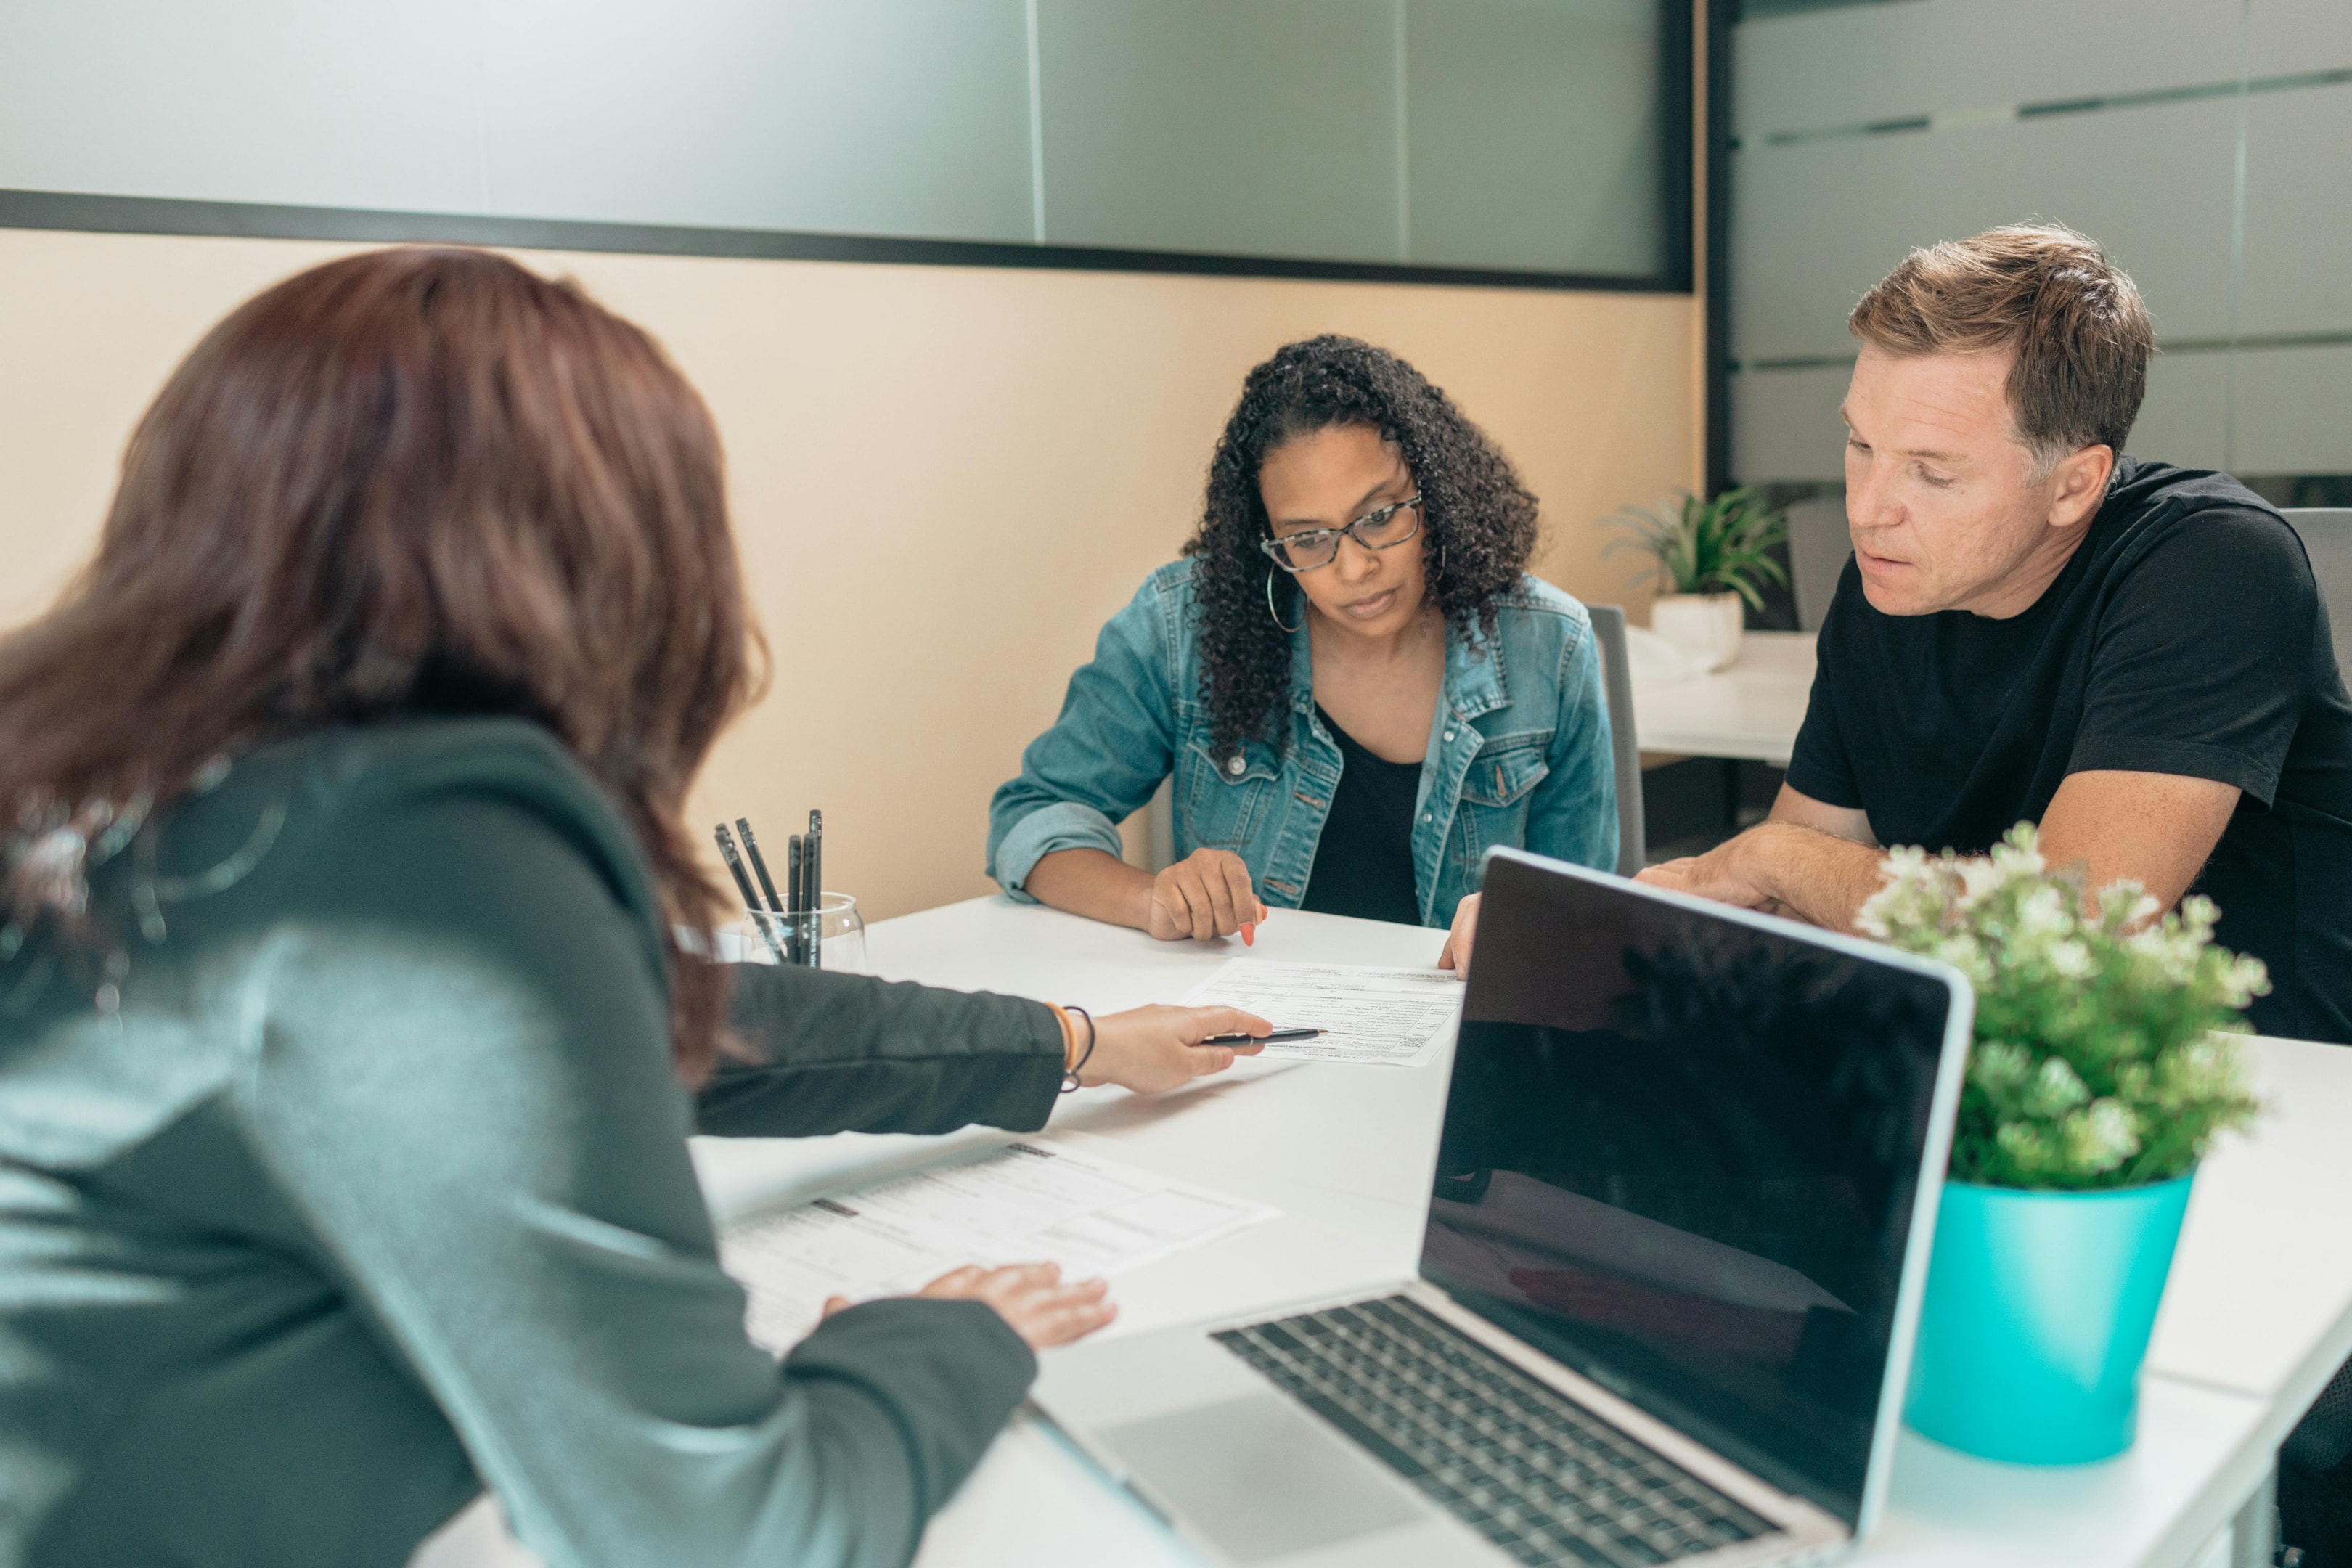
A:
(347, 1056)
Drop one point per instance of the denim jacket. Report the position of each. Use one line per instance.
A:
(1518, 754)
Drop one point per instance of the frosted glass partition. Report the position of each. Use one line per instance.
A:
(1222, 125)
(1537, 136)
(1815, 224)
(1865, 131)
(897, 117)
(1544, 137)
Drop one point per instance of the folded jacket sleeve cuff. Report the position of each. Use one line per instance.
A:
(1065, 825)
(947, 1373)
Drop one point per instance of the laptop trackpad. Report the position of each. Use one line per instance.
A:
(1260, 1478)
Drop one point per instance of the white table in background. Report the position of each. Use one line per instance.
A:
(1750, 710)
(2255, 1321)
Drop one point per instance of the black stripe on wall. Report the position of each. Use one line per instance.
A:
(88, 211)
(1720, 16)
(2054, 107)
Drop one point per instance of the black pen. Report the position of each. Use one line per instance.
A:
(796, 894)
(816, 864)
(1279, 1038)
(743, 884)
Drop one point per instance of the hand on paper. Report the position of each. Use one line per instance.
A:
(1150, 1049)
(1030, 1297)
(1456, 957)
(1207, 894)
(1364, 1012)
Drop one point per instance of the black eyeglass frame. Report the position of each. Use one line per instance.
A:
(1274, 547)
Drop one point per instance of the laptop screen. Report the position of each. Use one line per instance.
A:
(1681, 1154)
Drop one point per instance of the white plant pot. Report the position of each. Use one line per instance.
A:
(1704, 626)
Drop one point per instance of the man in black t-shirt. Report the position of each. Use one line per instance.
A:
(2033, 627)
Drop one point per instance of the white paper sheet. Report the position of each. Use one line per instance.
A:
(1020, 1203)
(1368, 1014)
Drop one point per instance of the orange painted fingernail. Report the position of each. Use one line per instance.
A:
(1249, 934)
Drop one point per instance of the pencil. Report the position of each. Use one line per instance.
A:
(767, 886)
(743, 885)
(758, 863)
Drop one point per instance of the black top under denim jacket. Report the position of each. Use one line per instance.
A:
(1363, 862)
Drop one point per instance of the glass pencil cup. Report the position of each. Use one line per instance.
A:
(831, 936)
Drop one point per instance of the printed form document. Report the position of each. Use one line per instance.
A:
(1368, 1014)
(1019, 1204)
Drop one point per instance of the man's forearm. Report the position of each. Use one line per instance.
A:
(1815, 876)
(1090, 883)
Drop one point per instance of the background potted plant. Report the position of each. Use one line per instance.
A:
(1711, 556)
(2104, 1064)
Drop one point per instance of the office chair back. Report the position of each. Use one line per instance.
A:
(1617, 685)
(1158, 844)
(2328, 539)
(1819, 546)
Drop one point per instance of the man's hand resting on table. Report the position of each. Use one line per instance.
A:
(1809, 862)
(1029, 1297)
(1719, 875)
(1816, 862)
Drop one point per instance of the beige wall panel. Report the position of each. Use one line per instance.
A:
(944, 480)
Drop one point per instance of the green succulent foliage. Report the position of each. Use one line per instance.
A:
(2106, 1052)
(1723, 546)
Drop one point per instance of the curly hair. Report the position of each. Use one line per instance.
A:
(1479, 521)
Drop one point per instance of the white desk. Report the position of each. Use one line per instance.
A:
(2257, 1303)
(1751, 710)
(2254, 1322)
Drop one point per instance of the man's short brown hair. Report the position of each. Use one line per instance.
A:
(2075, 320)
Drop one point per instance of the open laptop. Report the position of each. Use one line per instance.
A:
(1679, 1227)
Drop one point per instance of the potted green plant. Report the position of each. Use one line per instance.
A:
(2105, 1062)
(1711, 556)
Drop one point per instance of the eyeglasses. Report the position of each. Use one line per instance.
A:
(1383, 529)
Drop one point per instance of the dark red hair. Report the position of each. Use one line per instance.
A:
(410, 479)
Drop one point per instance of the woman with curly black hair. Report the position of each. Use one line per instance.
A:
(1356, 686)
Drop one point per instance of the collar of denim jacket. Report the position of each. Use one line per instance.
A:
(1474, 679)
(1474, 682)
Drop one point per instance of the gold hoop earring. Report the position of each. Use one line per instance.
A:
(1269, 604)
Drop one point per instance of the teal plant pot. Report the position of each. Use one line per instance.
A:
(2037, 1316)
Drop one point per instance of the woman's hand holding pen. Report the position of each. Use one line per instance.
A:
(1151, 1048)
(1206, 894)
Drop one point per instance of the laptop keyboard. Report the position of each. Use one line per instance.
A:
(1544, 1480)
